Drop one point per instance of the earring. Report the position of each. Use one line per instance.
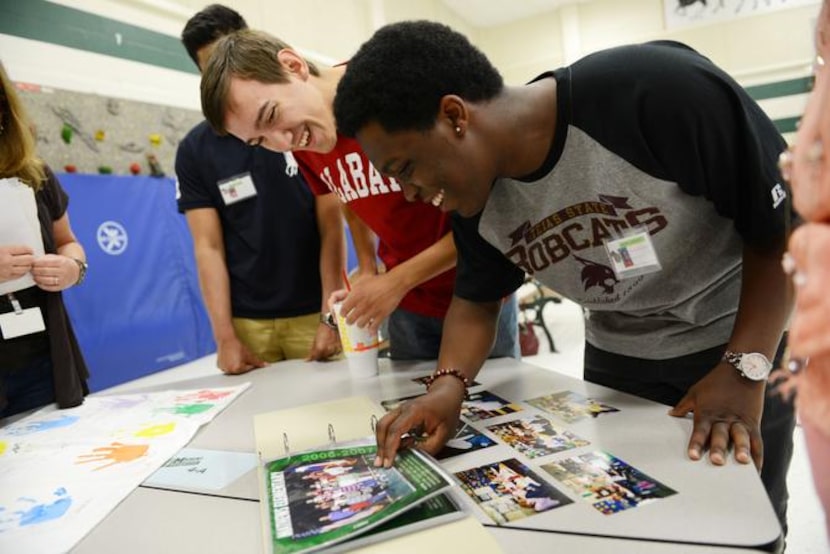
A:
(458, 129)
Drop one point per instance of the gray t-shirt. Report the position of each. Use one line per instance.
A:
(653, 137)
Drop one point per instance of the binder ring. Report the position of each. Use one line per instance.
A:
(373, 422)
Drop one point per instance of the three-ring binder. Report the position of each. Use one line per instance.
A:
(286, 445)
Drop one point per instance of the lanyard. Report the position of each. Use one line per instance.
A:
(15, 303)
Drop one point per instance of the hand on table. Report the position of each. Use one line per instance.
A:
(15, 261)
(434, 414)
(53, 272)
(233, 357)
(727, 410)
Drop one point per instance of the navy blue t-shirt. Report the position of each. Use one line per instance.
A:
(272, 242)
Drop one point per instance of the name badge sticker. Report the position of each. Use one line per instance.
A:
(23, 322)
(237, 188)
(633, 254)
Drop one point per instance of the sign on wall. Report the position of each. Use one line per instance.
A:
(680, 13)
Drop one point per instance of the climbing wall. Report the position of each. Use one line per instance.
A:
(88, 133)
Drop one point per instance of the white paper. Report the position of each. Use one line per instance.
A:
(63, 471)
(197, 469)
(19, 225)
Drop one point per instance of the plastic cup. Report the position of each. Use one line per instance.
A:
(359, 346)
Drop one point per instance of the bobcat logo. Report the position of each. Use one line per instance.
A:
(597, 275)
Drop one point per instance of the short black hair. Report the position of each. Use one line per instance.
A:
(210, 24)
(398, 77)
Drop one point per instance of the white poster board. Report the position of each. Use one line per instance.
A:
(682, 13)
(63, 471)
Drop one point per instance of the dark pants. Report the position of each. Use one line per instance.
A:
(666, 381)
(418, 337)
(28, 388)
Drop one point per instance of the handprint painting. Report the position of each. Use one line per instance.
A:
(64, 471)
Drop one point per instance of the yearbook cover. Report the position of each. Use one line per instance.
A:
(323, 497)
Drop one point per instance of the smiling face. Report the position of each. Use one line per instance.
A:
(440, 166)
(280, 116)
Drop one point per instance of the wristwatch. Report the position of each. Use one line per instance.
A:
(82, 267)
(752, 365)
(328, 320)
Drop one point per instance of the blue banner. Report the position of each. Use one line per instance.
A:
(139, 310)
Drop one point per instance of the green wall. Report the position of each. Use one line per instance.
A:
(52, 23)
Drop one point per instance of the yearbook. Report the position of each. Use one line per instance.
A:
(321, 498)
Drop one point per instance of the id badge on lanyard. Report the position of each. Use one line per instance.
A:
(633, 254)
(21, 321)
(237, 188)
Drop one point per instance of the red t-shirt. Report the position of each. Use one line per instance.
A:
(403, 228)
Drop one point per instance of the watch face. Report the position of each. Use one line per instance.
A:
(755, 366)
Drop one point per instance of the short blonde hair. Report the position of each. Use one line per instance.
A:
(17, 142)
(245, 54)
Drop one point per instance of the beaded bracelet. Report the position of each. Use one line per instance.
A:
(448, 371)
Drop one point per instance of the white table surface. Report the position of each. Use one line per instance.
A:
(715, 507)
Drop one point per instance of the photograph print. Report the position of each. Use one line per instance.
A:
(609, 484)
(508, 491)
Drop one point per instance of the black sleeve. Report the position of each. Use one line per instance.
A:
(675, 114)
(54, 197)
(483, 274)
(715, 141)
(191, 191)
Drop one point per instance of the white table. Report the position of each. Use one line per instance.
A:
(715, 508)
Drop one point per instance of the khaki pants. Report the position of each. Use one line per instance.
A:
(273, 340)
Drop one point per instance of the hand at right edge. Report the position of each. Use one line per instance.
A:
(434, 414)
(234, 358)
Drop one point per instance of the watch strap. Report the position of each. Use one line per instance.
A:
(327, 319)
(733, 358)
(82, 267)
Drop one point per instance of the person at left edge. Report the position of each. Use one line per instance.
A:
(268, 252)
(43, 363)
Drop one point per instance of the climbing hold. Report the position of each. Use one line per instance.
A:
(135, 168)
(66, 133)
(155, 139)
(113, 106)
(70, 168)
(131, 147)
(155, 166)
(100, 135)
(104, 169)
